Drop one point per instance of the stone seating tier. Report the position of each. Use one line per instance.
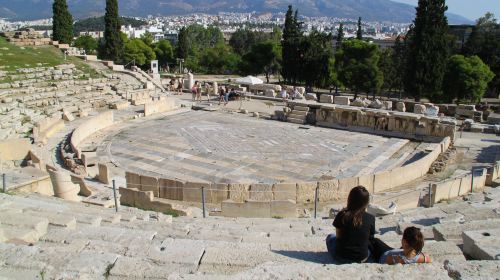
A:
(72, 240)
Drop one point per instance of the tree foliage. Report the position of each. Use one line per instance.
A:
(484, 42)
(317, 54)
(428, 50)
(244, 39)
(359, 32)
(358, 64)
(340, 36)
(113, 43)
(264, 58)
(164, 52)
(62, 22)
(136, 50)
(466, 78)
(291, 53)
(87, 43)
(219, 60)
(194, 39)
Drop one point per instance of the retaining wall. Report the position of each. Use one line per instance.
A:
(457, 187)
(88, 128)
(161, 106)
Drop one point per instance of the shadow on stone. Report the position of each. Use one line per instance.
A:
(313, 257)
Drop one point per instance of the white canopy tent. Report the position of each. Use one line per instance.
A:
(249, 80)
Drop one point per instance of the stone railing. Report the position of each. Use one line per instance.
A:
(386, 123)
(88, 128)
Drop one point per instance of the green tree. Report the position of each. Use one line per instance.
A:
(148, 38)
(428, 50)
(316, 66)
(136, 50)
(340, 36)
(358, 64)
(113, 43)
(62, 22)
(387, 65)
(466, 78)
(219, 60)
(263, 58)
(291, 43)
(484, 42)
(164, 52)
(244, 39)
(87, 43)
(194, 39)
(359, 32)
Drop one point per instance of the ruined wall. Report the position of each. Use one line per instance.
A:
(90, 127)
(157, 107)
(47, 127)
(387, 123)
(456, 187)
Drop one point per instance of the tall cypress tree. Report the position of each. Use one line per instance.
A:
(428, 50)
(340, 36)
(359, 33)
(291, 46)
(62, 22)
(113, 43)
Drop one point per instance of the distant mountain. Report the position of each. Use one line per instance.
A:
(371, 10)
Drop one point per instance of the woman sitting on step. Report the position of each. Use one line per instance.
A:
(411, 252)
(355, 230)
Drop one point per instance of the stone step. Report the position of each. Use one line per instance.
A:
(453, 231)
(301, 108)
(296, 116)
(297, 121)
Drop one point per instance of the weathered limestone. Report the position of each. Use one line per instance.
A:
(63, 186)
(401, 107)
(247, 209)
(261, 192)
(171, 189)
(157, 107)
(14, 149)
(326, 98)
(342, 100)
(419, 109)
(239, 192)
(311, 96)
(270, 93)
(150, 184)
(104, 176)
(89, 127)
(483, 244)
(285, 191)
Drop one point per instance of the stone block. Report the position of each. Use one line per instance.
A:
(239, 192)
(247, 209)
(472, 269)
(261, 192)
(14, 149)
(419, 109)
(305, 192)
(150, 184)
(283, 209)
(359, 103)
(342, 100)
(217, 193)
(128, 196)
(346, 184)
(328, 190)
(311, 96)
(192, 191)
(483, 244)
(67, 116)
(400, 107)
(171, 189)
(104, 176)
(285, 191)
(270, 93)
(133, 180)
(453, 231)
(326, 98)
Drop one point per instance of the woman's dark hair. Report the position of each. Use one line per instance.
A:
(357, 201)
(414, 237)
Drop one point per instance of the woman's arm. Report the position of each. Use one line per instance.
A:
(338, 232)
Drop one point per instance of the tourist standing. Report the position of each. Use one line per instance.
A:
(207, 89)
(194, 91)
(226, 96)
(198, 92)
(355, 229)
(222, 93)
(180, 85)
(283, 93)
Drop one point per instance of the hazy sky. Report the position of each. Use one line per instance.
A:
(471, 9)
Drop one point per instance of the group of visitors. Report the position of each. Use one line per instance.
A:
(289, 93)
(354, 241)
(176, 86)
(225, 93)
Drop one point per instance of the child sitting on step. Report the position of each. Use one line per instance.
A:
(411, 250)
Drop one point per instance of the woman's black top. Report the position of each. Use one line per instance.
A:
(353, 242)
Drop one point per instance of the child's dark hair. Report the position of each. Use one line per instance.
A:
(414, 238)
